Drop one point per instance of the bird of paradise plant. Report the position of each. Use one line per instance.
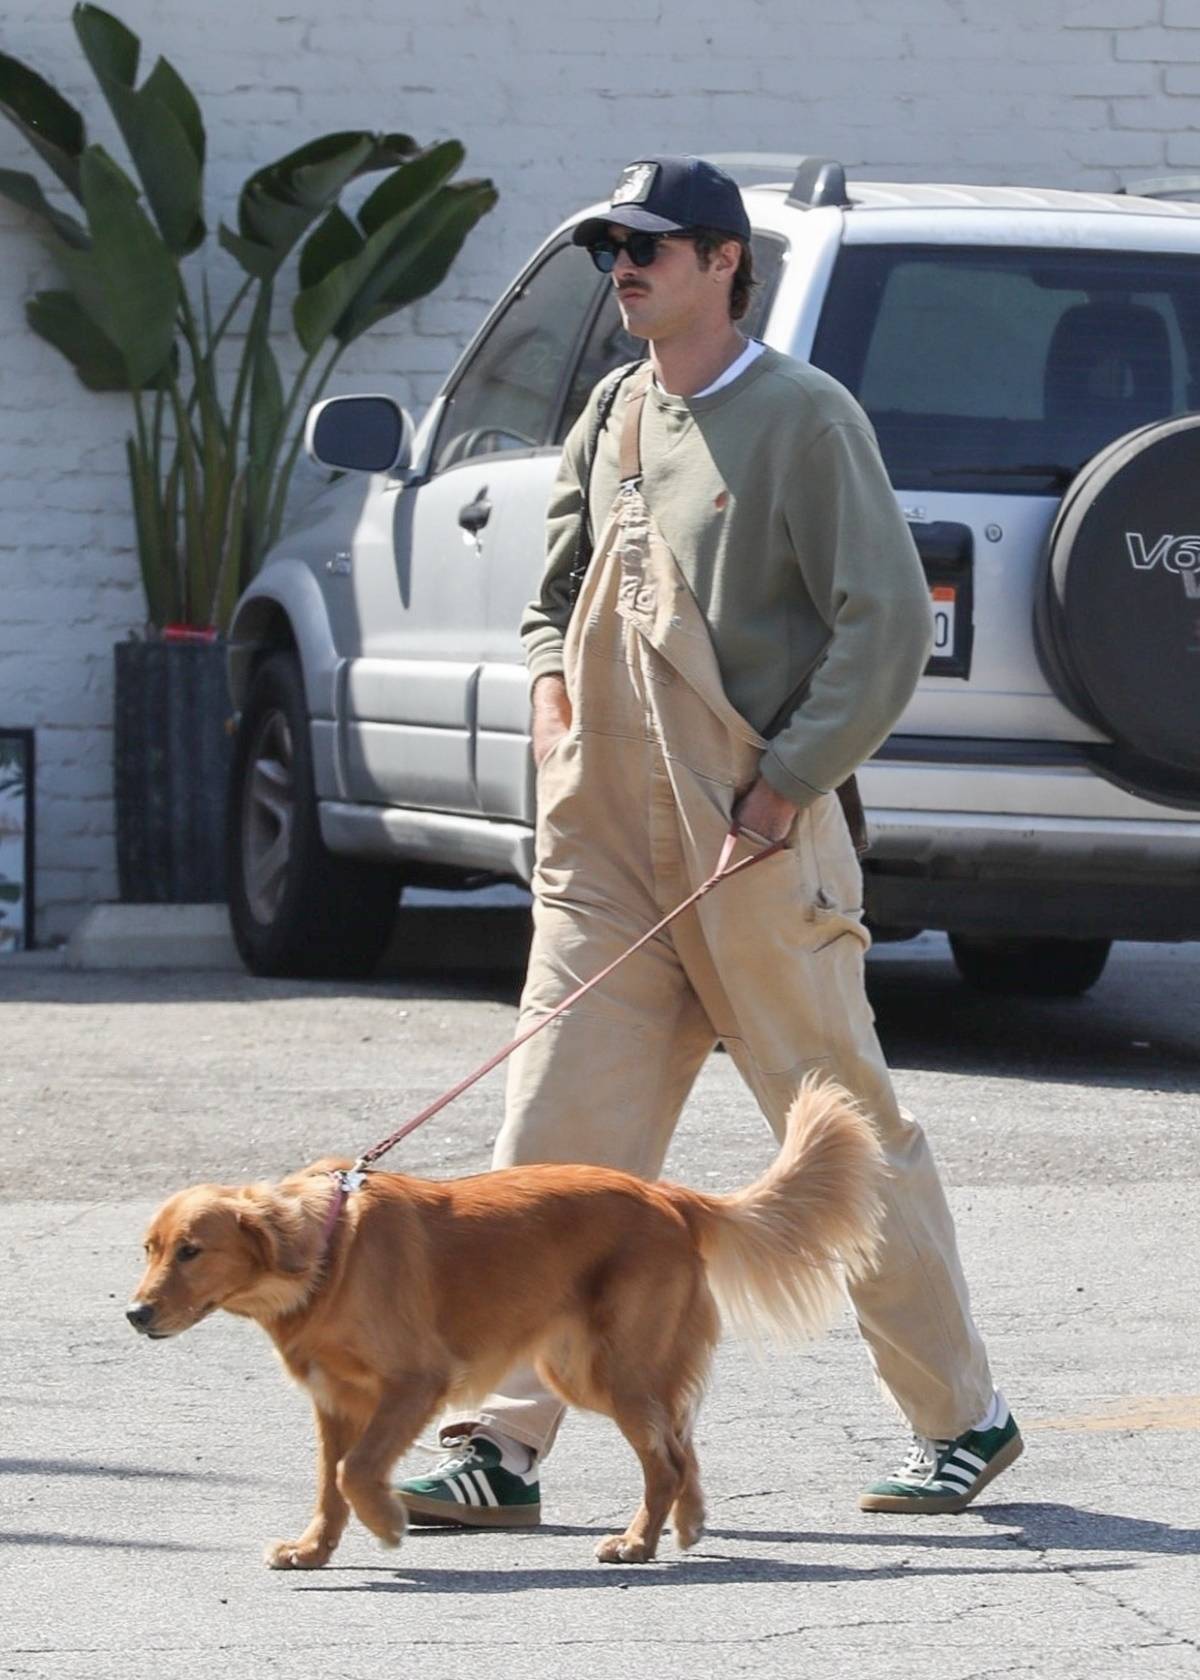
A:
(215, 439)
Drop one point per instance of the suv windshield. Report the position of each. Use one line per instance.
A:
(990, 368)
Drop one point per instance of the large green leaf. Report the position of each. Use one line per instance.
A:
(409, 184)
(434, 237)
(52, 127)
(158, 123)
(384, 217)
(26, 191)
(127, 283)
(334, 240)
(279, 203)
(409, 247)
(111, 49)
(165, 84)
(259, 261)
(57, 317)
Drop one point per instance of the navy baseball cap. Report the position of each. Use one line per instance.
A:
(669, 195)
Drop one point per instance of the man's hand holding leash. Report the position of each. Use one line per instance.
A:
(764, 814)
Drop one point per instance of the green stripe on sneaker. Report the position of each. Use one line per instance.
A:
(471, 1487)
(945, 1476)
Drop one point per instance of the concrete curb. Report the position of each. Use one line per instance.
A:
(434, 931)
(153, 936)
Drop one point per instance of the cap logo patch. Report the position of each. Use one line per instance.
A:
(635, 184)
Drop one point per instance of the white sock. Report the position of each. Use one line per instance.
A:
(994, 1413)
(514, 1455)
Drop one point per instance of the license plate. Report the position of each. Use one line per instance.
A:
(945, 598)
(946, 551)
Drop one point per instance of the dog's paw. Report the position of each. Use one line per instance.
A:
(295, 1554)
(689, 1527)
(385, 1516)
(619, 1548)
(388, 1534)
(375, 1505)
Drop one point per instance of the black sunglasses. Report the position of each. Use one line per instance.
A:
(641, 249)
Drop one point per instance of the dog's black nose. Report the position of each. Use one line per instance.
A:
(139, 1315)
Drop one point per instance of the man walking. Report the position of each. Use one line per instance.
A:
(751, 626)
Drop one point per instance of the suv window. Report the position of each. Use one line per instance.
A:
(507, 395)
(993, 369)
(609, 345)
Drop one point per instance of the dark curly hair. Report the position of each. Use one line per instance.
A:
(710, 240)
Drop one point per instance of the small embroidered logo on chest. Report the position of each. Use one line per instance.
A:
(721, 500)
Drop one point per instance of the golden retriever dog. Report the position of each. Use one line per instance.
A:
(615, 1288)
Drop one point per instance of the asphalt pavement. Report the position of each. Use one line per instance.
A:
(140, 1482)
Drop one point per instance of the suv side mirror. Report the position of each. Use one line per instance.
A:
(363, 434)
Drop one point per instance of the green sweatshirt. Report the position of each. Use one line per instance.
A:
(773, 499)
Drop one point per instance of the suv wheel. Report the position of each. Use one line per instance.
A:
(296, 908)
(1030, 967)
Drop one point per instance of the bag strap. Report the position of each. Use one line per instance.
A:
(585, 540)
(856, 818)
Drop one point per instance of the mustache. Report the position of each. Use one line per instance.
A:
(624, 286)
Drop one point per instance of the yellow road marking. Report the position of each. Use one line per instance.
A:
(1150, 1411)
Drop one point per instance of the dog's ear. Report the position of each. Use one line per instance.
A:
(273, 1226)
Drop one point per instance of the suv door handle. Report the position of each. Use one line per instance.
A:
(474, 515)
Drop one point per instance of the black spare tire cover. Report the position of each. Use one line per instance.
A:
(1117, 616)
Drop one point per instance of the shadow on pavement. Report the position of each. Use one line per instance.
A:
(1043, 1529)
(1047, 1526)
(1067, 1527)
(71, 987)
(116, 1472)
(92, 1542)
(698, 1569)
(1134, 1030)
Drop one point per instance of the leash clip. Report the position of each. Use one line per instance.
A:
(349, 1181)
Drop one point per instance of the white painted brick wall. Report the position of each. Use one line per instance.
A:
(550, 101)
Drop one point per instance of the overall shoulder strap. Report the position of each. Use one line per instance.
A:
(631, 429)
(604, 407)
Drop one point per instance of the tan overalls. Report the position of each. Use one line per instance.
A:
(633, 805)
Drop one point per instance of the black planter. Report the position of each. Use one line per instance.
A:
(171, 751)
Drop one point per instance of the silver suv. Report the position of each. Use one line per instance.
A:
(1029, 360)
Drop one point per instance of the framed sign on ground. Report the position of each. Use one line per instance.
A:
(16, 840)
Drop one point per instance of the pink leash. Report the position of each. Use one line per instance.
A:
(349, 1181)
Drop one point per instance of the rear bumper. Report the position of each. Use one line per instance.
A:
(1025, 838)
(975, 872)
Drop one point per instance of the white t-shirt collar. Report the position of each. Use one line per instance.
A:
(735, 369)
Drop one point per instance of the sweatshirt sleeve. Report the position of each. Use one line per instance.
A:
(544, 624)
(862, 570)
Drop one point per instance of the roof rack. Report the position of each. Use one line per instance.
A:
(755, 168)
(819, 181)
(815, 180)
(1164, 186)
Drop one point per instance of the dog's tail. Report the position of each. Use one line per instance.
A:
(774, 1251)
